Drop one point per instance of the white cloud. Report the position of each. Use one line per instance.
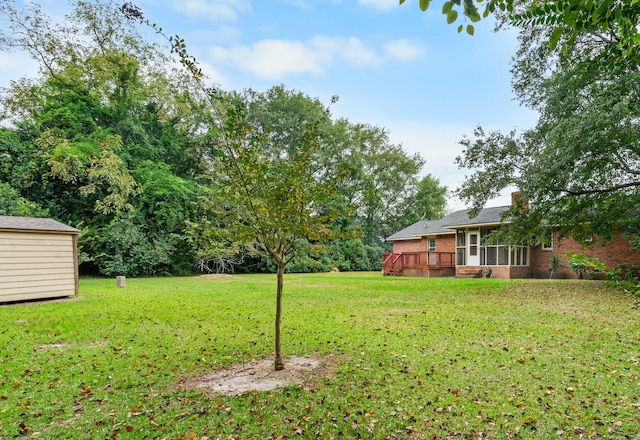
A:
(439, 144)
(383, 5)
(212, 10)
(213, 75)
(350, 50)
(276, 58)
(403, 50)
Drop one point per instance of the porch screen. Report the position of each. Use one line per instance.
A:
(495, 253)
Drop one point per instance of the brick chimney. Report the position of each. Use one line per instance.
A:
(519, 201)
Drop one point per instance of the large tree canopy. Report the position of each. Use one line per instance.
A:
(112, 138)
(567, 20)
(579, 167)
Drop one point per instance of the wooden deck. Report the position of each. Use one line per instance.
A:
(419, 264)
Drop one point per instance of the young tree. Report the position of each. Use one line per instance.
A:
(271, 171)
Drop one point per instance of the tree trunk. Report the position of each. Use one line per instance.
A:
(279, 361)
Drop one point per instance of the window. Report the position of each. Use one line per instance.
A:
(461, 249)
(547, 244)
(496, 253)
(473, 244)
(431, 245)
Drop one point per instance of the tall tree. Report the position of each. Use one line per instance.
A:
(381, 179)
(105, 137)
(580, 166)
(428, 202)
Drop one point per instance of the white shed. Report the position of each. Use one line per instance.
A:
(38, 259)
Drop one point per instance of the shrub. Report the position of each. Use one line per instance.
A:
(584, 266)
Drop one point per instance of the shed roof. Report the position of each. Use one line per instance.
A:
(446, 225)
(11, 223)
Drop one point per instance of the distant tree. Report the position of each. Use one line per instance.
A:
(380, 182)
(11, 203)
(427, 203)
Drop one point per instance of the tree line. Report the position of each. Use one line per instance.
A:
(113, 138)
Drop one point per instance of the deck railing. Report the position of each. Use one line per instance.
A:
(395, 264)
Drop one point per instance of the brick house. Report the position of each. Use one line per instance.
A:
(456, 245)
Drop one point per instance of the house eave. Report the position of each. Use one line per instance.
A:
(418, 237)
(477, 225)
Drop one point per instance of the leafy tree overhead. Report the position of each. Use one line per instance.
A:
(579, 167)
(567, 19)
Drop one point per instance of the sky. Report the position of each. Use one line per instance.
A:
(391, 65)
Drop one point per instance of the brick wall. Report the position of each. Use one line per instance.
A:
(506, 272)
(417, 245)
(444, 243)
(613, 253)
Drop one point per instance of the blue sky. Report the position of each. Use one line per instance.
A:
(392, 66)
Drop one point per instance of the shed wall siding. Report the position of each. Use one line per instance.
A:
(36, 265)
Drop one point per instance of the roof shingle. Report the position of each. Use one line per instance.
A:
(445, 225)
(34, 224)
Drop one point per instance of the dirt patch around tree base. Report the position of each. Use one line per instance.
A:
(259, 375)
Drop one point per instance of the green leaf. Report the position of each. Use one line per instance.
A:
(474, 16)
(460, 28)
(452, 16)
(470, 29)
(447, 7)
(424, 4)
(555, 37)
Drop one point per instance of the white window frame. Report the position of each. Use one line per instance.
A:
(430, 242)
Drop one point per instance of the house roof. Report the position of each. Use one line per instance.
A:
(26, 224)
(446, 225)
(421, 228)
(486, 216)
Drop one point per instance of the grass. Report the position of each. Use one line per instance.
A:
(417, 358)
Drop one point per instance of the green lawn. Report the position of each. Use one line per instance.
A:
(417, 358)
